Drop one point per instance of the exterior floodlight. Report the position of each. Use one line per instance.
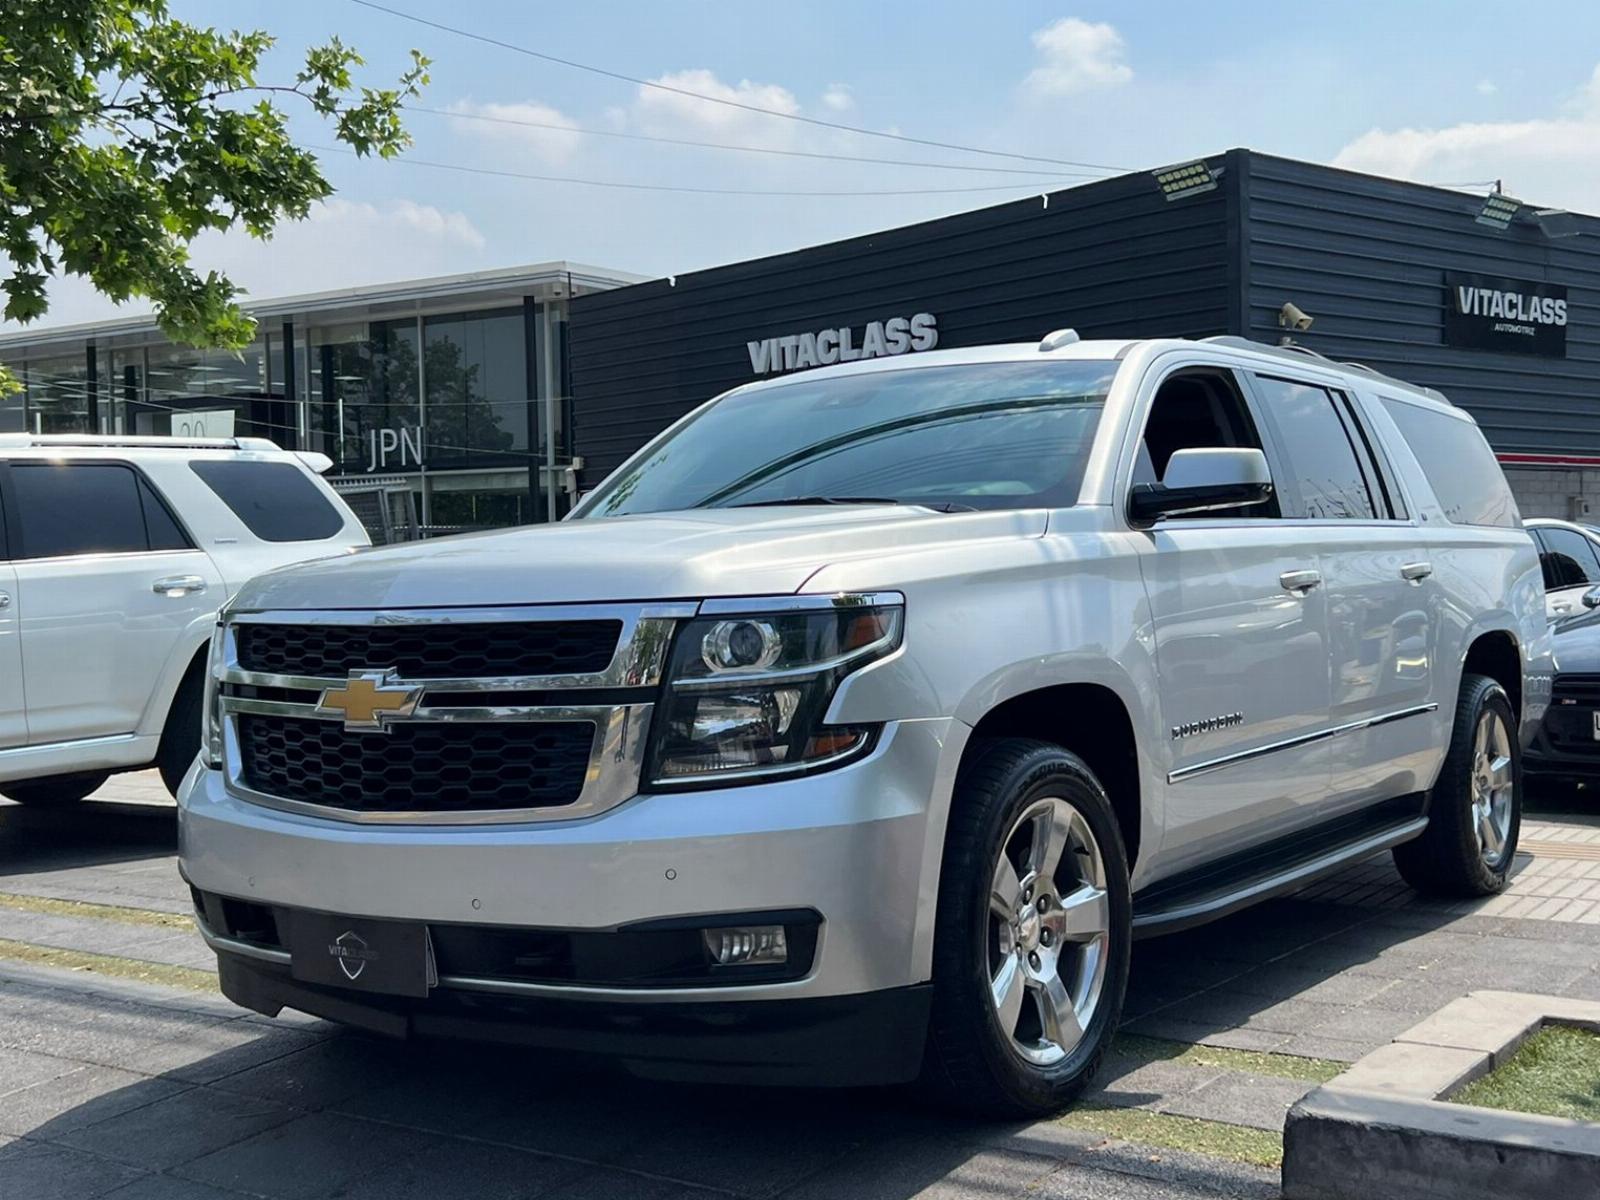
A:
(1190, 179)
(1556, 223)
(1499, 210)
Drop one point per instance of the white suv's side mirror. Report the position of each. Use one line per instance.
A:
(1591, 598)
(1202, 479)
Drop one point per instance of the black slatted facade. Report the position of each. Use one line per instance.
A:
(1112, 258)
(1367, 257)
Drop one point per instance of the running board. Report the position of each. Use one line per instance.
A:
(1194, 897)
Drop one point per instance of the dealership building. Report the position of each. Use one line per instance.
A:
(495, 398)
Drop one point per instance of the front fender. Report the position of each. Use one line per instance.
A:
(1023, 616)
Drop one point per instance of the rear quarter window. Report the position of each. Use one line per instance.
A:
(275, 500)
(1460, 467)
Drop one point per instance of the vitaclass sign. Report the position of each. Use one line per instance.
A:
(1516, 316)
(794, 351)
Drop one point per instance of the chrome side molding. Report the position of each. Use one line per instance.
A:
(1229, 760)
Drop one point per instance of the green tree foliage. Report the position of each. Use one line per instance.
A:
(124, 134)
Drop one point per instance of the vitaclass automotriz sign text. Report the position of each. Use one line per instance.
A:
(1517, 316)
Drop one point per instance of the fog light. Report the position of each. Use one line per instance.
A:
(747, 945)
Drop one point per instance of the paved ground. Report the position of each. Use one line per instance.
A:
(123, 1073)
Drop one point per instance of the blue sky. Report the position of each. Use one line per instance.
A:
(1432, 91)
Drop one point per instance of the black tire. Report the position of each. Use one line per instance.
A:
(180, 736)
(1450, 859)
(54, 789)
(971, 1062)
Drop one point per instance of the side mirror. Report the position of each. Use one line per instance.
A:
(1202, 480)
(1591, 598)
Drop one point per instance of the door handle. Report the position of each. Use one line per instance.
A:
(1416, 572)
(1300, 582)
(178, 585)
(5, 600)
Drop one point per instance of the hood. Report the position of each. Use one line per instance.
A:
(1575, 641)
(675, 556)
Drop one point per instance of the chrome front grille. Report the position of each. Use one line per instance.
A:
(435, 716)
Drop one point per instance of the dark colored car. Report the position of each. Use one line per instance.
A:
(1567, 748)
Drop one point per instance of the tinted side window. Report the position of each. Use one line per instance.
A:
(1552, 578)
(1333, 482)
(1569, 559)
(275, 500)
(78, 508)
(160, 525)
(1459, 465)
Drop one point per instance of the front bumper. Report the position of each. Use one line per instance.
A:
(840, 1041)
(859, 845)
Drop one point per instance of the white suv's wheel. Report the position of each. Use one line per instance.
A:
(1032, 942)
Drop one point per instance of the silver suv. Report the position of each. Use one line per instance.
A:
(851, 731)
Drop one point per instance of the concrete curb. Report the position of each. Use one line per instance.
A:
(1382, 1129)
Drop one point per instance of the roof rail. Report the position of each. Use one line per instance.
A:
(45, 441)
(1294, 350)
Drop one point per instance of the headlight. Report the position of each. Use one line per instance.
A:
(747, 692)
(211, 713)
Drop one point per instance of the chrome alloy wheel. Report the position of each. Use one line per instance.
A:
(1049, 929)
(1492, 787)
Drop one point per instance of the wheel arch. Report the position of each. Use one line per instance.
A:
(1091, 720)
(183, 665)
(1497, 654)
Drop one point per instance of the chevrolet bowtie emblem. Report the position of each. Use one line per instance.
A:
(369, 698)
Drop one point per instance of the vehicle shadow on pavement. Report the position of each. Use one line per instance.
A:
(1336, 979)
(91, 833)
(302, 1109)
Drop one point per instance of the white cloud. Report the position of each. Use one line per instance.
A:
(342, 243)
(838, 98)
(1077, 56)
(1552, 159)
(1487, 87)
(547, 133)
(665, 112)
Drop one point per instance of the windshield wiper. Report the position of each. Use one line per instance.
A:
(937, 506)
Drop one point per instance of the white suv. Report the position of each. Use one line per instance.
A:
(115, 554)
(852, 730)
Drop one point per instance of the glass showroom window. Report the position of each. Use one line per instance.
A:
(477, 377)
(12, 405)
(208, 393)
(343, 383)
(121, 388)
(57, 394)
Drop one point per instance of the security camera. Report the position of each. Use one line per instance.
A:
(1290, 317)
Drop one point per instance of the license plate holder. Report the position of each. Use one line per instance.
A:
(394, 958)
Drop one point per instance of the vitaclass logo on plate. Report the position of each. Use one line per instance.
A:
(1514, 316)
(877, 339)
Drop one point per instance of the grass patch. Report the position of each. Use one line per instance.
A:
(1256, 1062)
(1556, 1073)
(1240, 1143)
(109, 965)
(98, 912)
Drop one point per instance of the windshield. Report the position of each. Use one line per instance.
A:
(985, 435)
